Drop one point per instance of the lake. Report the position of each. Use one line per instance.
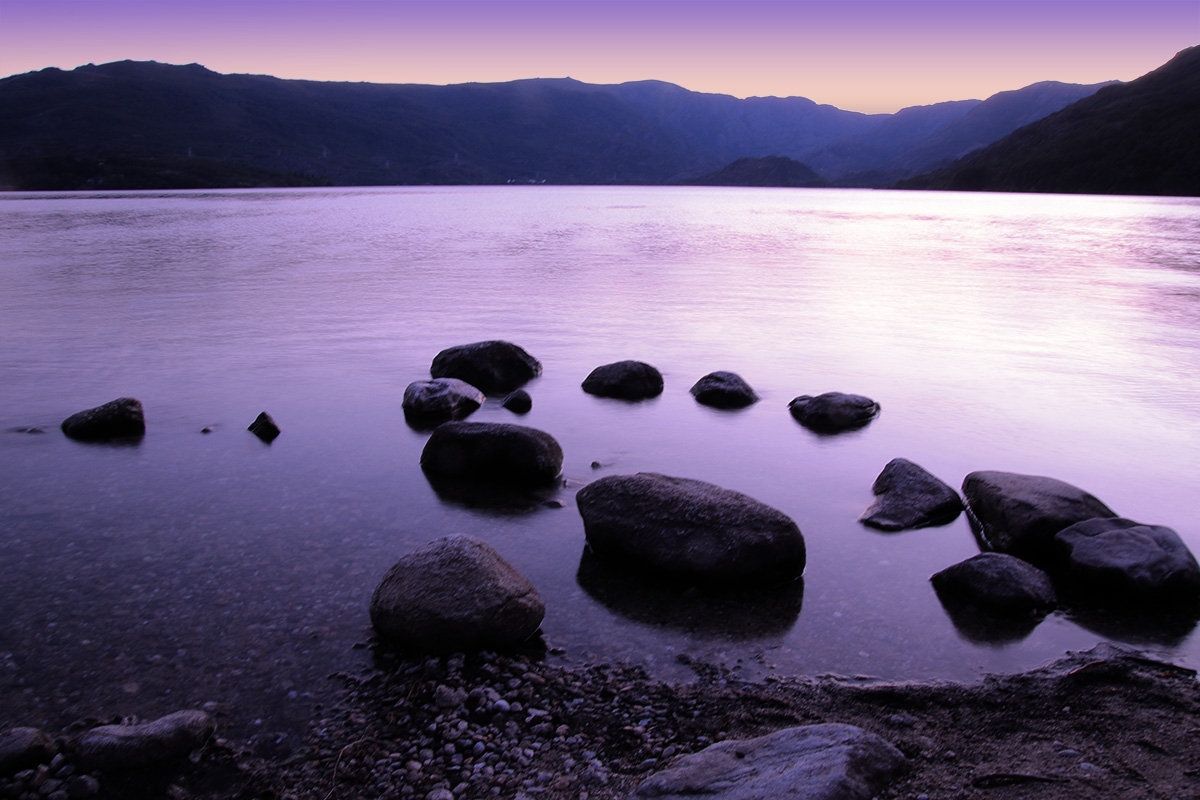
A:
(1051, 335)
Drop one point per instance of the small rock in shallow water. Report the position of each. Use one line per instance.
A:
(723, 390)
(119, 419)
(264, 428)
(518, 402)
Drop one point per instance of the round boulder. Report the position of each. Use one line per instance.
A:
(494, 452)
(456, 594)
(1119, 559)
(1020, 514)
(139, 745)
(120, 419)
(907, 496)
(833, 412)
(997, 582)
(624, 380)
(495, 367)
(688, 528)
(430, 403)
(518, 402)
(723, 390)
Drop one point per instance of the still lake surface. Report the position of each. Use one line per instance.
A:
(1049, 335)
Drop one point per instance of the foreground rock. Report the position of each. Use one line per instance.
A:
(495, 452)
(140, 745)
(907, 496)
(1119, 561)
(723, 390)
(119, 419)
(997, 582)
(833, 412)
(456, 593)
(624, 380)
(811, 761)
(430, 403)
(689, 529)
(1020, 514)
(495, 367)
(21, 748)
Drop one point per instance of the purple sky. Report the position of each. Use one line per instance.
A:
(865, 56)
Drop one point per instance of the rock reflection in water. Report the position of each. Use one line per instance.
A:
(988, 627)
(495, 498)
(734, 614)
(1138, 627)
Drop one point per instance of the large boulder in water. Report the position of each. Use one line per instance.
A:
(624, 380)
(143, 744)
(822, 762)
(689, 529)
(430, 403)
(495, 367)
(456, 593)
(493, 452)
(1119, 560)
(907, 496)
(723, 390)
(833, 412)
(997, 582)
(120, 419)
(1020, 514)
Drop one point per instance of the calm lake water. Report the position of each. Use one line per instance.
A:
(1049, 335)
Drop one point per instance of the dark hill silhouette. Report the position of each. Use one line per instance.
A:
(768, 171)
(1134, 138)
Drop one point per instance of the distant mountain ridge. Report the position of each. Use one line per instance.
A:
(149, 125)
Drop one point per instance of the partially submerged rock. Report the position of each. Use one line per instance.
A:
(430, 403)
(495, 367)
(997, 582)
(518, 402)
(22, 748)
(723, 390)
(146, 743)
(688, 528)
(624, 380)
(495, 452)
(833, 412)
(821, 762)
(1118, 561)
(1020, 514)
(264, 428)
(455, 594)
(907, 496)
(122, 418)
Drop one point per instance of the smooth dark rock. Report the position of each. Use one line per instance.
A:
(495, 367)
(494, 452)
(817, 762)
(430, 403)
(688, 528)
(907, 496)
(723, 390)
(833, 412)
(1119, 560)
(140, 745)
(1020, 514)
(518, 402)
(455, 594)
(997, 582)
(23, 748)
(120, 419)
(264, 428)
(624, 380)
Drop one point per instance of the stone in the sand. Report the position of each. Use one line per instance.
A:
(833, 412)
(518, 402)
(723, 390)
(908, 496)
(119, 419)
(813, 762)
(455, 594)
(23, 748)
(264, 428)
(997, 582)
(146, 743)
(495, 367)
(624, 380)
(1118, 560)
(688, 528)
(1020, 514)
(430, 403)
(494, 452)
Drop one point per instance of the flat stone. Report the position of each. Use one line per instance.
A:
(723, 390)
(495, 367)
(833, 412)
(146, 743)
(907, 496)
(493, 452)
(122, 418)
(624, 380)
